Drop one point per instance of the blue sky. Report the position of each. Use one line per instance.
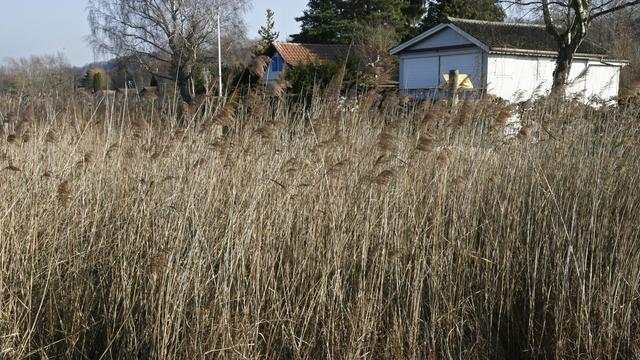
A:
(37, 27)
(285, 13)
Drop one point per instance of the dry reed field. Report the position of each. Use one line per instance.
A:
(319, 231)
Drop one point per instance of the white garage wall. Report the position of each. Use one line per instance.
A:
(577, 77)
(518, 78)
(603, 81)
(511, 77)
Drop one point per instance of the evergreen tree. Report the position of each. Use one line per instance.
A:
(96, 78)
(267, 33)
(439, 10)
(97, 82)
(413, 12)
(338, 21)
(322, 22)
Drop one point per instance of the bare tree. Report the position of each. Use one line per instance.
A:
(170, 36)
(568, 21)
(621, 32)
(46, 74)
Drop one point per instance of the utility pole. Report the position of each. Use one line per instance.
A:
(219, 54)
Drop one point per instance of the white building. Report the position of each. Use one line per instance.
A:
(512, 61)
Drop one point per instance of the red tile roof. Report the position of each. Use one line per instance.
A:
(295, 53)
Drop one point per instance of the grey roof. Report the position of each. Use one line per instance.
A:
(534, 37)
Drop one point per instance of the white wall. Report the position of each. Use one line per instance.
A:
(518, 78)
(577, 77)
(603, 81)
(424, 70)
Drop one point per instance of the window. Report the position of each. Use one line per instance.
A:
(276, 63)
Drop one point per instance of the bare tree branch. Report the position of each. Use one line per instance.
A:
(572, 31)
(614, 9)
(171, 32)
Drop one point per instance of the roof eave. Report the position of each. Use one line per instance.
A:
(515, 51)
(416, 39)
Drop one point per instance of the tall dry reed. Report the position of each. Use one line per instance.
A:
(375, 228)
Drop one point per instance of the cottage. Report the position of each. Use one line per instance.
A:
(288, 55)
(512, 61)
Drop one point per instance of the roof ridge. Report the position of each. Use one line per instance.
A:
(296, 43)
(498, 23)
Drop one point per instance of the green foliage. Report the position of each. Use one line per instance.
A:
(305, 77)
(203, 76)
(413, 13)
(321, 23)
(337, 21)
(373, 50)
(267, 33)
(96, 78)
(439, 10)
(97, 82)
(127, 71)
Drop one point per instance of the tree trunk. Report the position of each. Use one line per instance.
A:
(563, 68)
(182, 67)
(567, 46)
(184, 87)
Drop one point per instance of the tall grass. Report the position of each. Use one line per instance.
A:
(327, 230)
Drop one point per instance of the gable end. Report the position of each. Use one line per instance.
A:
(437, 38)
(445, 38)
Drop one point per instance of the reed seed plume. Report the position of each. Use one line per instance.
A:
(201, 162)
(64, 193)
(259, 65)
(464, 112)
(20, 128)
(384, 178)
(51, 137)
(387, 141)
(141, 126)
(503, 116)
(12, 168)
(279, 87)
(526, 131)
(444, 155)
(26, 136)
(426, 143)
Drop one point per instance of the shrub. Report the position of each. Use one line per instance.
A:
(305, 77)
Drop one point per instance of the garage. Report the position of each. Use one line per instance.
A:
(424, 75)
(509, 60)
